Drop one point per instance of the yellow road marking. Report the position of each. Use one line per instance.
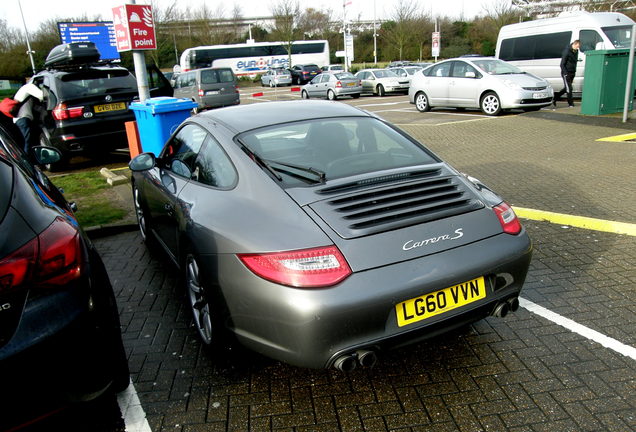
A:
(619, 138)
(577, 221)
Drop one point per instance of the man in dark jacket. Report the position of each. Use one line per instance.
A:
(569, 59)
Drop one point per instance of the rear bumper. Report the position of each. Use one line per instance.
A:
(312, 327)
(93, 136)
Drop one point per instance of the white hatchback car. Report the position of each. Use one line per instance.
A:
(382, 81)
(489, 84)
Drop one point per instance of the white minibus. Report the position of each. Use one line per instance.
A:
(536, 46)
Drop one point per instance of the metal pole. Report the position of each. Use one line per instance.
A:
(139, 59)
(630, 70)
(29, 50)
(344, 35)
(375, 41)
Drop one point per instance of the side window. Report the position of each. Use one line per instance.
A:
(181, 152)
(544, 46)
(589, 39)
(460, 68)
(440, 70)
(213, 167)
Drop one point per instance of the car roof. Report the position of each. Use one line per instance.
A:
(241, 118)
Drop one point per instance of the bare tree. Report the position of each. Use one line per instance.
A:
(285, 14)
(404, 17)
(314, 23)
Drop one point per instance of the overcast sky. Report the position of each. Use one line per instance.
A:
(36, 11)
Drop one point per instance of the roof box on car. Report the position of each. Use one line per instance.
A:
(72, 54)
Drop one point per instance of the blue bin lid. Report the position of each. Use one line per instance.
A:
(163, 104)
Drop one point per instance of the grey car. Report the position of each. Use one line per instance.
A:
(382, 81)
(486, 83)
(319, 235)
(332, 85)
(406, 71)
(208, 87)
(276, 77)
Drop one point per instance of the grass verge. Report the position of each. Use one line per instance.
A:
(97, 202)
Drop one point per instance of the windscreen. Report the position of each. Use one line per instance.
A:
(497, 67)
(384, 73)
(336, 147)
(620, 36)
(93, 82)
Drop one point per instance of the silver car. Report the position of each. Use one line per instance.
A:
(406, 71)
(276, 77)
(332, 86)
(486, 83)
(382, 81)
(318, 234)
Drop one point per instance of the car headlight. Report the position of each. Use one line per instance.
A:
(513, 85)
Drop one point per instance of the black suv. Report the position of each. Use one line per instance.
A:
(302, 74)
(86, 104)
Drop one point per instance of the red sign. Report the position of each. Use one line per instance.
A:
(134, 27)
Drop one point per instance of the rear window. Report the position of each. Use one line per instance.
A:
(312, 68)
(215, 76)
(337, 147)
(91, 82)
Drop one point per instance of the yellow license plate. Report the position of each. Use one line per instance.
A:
(438, 302)
(351, 84)
(118, 106)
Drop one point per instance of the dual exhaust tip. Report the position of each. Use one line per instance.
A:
(349, 362)
(369, 358)
(509, 305)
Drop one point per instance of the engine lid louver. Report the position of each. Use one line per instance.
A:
(394, 206)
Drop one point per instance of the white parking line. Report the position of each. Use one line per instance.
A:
(381, 104)
(132, 411)
(575, 327)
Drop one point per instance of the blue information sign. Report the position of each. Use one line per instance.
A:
(101, 33)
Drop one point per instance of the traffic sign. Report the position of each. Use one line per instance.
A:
(134, 27)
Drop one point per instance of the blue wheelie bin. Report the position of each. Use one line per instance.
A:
(157, 118)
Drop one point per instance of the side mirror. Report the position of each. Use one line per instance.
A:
(470, 74)
(46, 155)
(143, 162)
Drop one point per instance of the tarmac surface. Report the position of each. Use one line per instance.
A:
(522, 373)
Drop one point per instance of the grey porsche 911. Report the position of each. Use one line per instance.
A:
(318, 234)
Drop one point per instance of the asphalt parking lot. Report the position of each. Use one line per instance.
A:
(565, 361)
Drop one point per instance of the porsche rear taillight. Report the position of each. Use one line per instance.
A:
(53, 258)
(307, 268)
(507, 218)
(63, 112)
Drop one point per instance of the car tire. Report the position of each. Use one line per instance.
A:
(203, 313)
(271, 84)
(331, 95)
(304, 94)
(142, 217)
(490, 104)
(421, 102)
(355, 96)
(380, 90)
(262, 83)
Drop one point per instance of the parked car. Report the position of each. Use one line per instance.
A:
(330, 185)
(332, 68)
(302, 74)
(208, 87)
(85, 105)
(382, 81)
(60, 339)
(276, 77)
(399, 63)
(486, 83)
(406, 71)
(332, 86)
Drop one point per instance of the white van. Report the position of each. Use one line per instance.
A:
(536, 46)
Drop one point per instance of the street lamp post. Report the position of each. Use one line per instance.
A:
(26, 33)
